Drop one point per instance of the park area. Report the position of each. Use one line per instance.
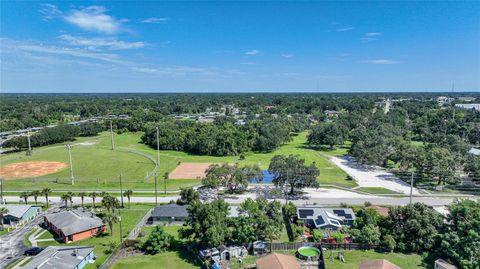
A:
(97, 167)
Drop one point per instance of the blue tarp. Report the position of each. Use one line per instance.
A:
(267, 178)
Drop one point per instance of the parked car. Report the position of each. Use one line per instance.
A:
(32, 251)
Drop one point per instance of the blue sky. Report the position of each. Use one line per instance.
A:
(153, 46)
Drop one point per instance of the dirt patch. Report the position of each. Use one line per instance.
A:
(189, 171)
(30, 169)
(87, 143)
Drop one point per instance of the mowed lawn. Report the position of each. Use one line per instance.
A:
(168, 259)
(98, 167)
(353, 259)
(130, 217)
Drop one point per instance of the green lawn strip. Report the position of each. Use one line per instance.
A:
(130, 218)
(6, 230)
(25, 240)
(377, 190)
(17, 262)
(168, 259)
(353, 259)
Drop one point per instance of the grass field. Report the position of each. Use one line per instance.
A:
(377, 190)
(130, 217)
(353, 259)
(97, 167)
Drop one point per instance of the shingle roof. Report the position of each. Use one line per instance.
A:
(58, 258)
(378, 264)
(444, 264)
(277, 261)
(17, 211)
(170, 210)
(74, 221)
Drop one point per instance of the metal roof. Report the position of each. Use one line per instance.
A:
(17, 211)
(59, 258)
(170, 210)
(325, 216)
(74, 221)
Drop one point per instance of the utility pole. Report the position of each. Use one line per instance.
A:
(158, 152)
(69, 148)
(121, 190)
(156, 192)
(411, 188)
(111, 132)
(29, 152)
(120, 219)
(1, 190)
(286, 190)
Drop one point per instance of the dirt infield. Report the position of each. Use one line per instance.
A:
(30, 169)
(189, 171)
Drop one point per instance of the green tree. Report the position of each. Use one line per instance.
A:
(291, 171)
(440, 164)
(461, 240)
(110, 203)
(157, 241)
(35, 195)
(414, 227)
(265, 217)
(82, 196)
(65, 198)
(206, 223)
(330, 134)
(243, 231)
(388, 243)
(188, 196)
(110, 219)
(472, 167)
(128, 194)
(368, 234)
(3, 212)
(70, 196)
(24, 195)
(46, 192)
(93, 195)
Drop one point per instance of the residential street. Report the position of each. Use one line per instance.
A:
(11, 244)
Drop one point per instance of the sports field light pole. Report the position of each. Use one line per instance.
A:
(121, 190)
(69, 148)
(111, 132)
(1, 190)
(411, 188)
(29, 152)
(158, 167)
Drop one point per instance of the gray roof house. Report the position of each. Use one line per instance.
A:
(326, 218)
(61, 258)
(20, 214)
(168, 213)
(74, 224)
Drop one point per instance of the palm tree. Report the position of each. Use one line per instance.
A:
(82, 196)
(65, 199)
(24, 195)
(70, 197)
(35, 195)
(3, 212)
(128, 194)
(93, 195)
(110, 203)
(110, 219)
(46, 192)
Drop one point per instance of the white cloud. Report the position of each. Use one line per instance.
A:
(173, 71)
(252, 52)
(372, 36)
(94, 43)
(160, 20)
(345, 29)
(287, 55)
(13, 47)
(49, 11)
(379, 61)
(93, 18)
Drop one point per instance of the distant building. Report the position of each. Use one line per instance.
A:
(444, 100)
(74, 225)
(474, 151)
(168, 213)
(326, 218)
(442, 264)
(378, 264)
(467, 99)
(20, 214)
(475, 107)
(331, 113)
(61, 258)
(277, 261)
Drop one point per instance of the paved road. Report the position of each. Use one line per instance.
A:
(11, 244)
